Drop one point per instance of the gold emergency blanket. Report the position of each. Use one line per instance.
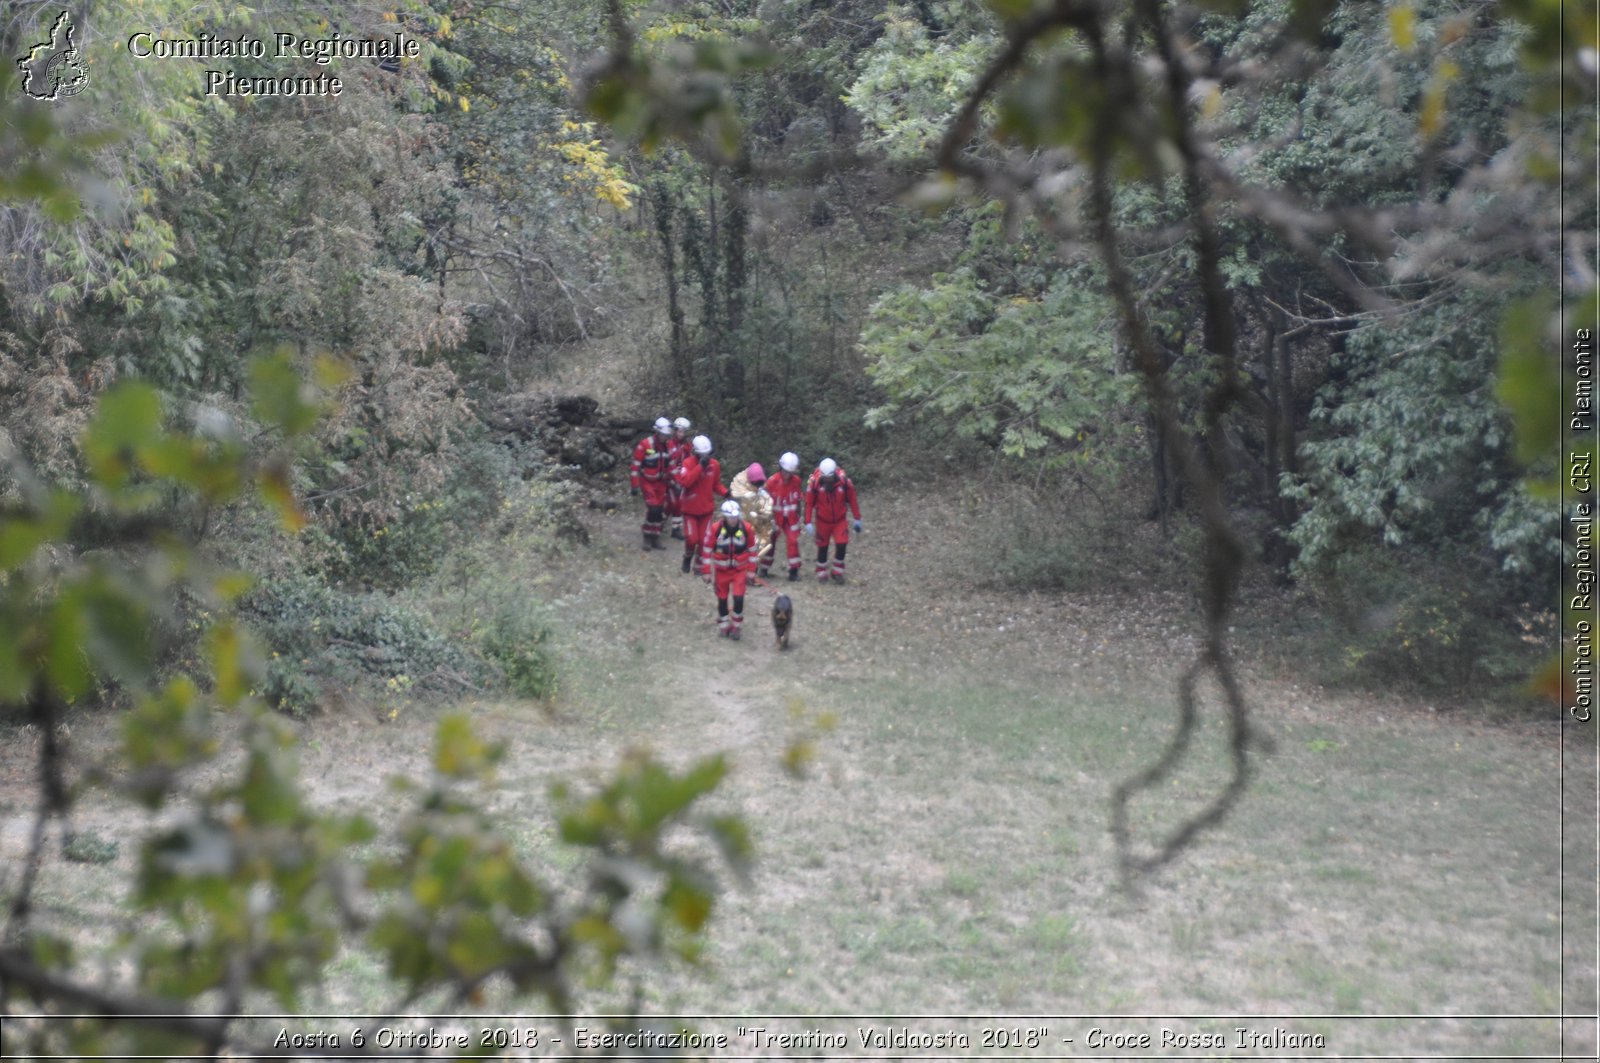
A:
(755, 505)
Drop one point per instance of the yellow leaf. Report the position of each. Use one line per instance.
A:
(1553, 682)
(226, 664)
(465, 106)
(329, 372)
(428, 890)
(274, 484)
(1431, 119)
(1403, 27)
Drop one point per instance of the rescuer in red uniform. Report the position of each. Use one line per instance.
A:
(729, 552)
(700, 476)
(677, 451)
(828, 494)
(650, 475)
(788, 494)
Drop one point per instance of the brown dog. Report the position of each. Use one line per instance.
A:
(782, 619)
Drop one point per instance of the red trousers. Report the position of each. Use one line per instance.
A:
(834, 532)
(654, 492)
(731, 581)
(694, 533)
(791, 543)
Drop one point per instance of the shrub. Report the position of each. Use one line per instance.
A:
(471, 596)
(324, 635)
(1060, 539)
(289, 689)
(390, 555)
(88, 847)
(407, 548)
(1432, 623)
(453, 622)
(1035, 560)
(517, 639)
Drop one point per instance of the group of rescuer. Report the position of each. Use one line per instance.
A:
(681, 479)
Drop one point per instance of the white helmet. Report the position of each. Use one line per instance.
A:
(663, 425)
(702, 445)
(790, 462)
(681, 424)
(730, 508)
(828, 467)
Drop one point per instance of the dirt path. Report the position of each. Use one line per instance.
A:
(914, 604)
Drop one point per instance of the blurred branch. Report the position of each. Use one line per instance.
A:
(17, 973)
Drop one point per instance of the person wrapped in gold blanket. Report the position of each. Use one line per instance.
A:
(756, 505)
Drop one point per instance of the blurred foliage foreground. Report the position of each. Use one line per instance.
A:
(246, 892)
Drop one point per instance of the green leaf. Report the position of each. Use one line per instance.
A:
(62, 205)
(460, 753)
(687, 904)
(50, 952)
(16, 673)
(66, 665)
(230, 585)
(268, 794)
(280, 397)
(1530, 377)
(329, 373)
(128, 419)
(1010, 10)
(216, 472)
(607, 98)
(732, 836)
(116, 633)
(166, 732)
(226, 651)
(21, 536)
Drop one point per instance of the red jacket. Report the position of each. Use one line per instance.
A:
(678, 451)
(788, 494)
(651, 460)
(827, 505)
(729, 549)
(702, 485)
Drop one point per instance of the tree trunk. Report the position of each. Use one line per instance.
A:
(661, 200)
(1278, 551)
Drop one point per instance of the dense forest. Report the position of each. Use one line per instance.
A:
(1258, 302)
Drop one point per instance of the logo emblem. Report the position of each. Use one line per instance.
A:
(54, 69)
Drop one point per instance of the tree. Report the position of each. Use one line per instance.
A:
(1019, 371)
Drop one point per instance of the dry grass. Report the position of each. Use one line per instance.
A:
(949, 852)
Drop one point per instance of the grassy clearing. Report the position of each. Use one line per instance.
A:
(949, 852)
